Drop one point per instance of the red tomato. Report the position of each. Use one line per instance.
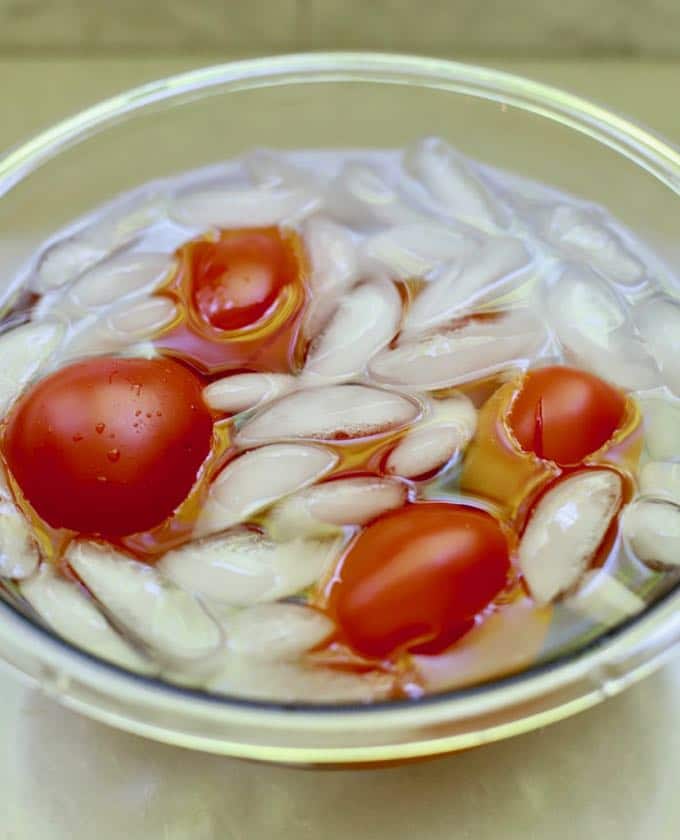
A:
(563, 414)
(109, 446)
(237, 279)
(415, 578)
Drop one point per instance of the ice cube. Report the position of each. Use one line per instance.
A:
(67, 609)
(661, 479)
(455, 184)
(246, 207)
(256, 479)
(321, 510)
(329, 413)
(151, 608)
(276, 632)
(242, 391)
(359, 196)
(24, 351)
(604, 599)
(594, 326)
(503, 642)
(565, 530)
(288, 682)
(433, 443)
(366, 320)
(492, 269)
(661, 413)
(271, 169)
(334, 269)
(122, 277)
(583, 234)
(413, 250)
(652, 530)
(475, 350)
(119, 226)
(116, 329)
(19, 554)
(658, 320)
(243, 567)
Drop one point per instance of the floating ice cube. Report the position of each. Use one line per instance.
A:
(242, 567)
(117, 329)
(288, 682)
(434, 443)
(367, 319)
(477, 349)
(272, 170)
(24, 351)
(455, 184)
(652, 530)
(583, 234)
(413, 250)
(67, 609)
(662, 424)
(119, 278)
(258, 478)
(68, 258)
(247, 207)
(658, 320)
(492, 269)
(661, 479)
(565, 530)
(504, 642)
(334, 269)
(276, 632)
(19, 554)
(242, 391)
(594, 326)
(604, 599)
(359, 196)
(329, 413)
(319, 511)
(140, 599)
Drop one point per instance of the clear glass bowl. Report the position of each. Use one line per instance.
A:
(322, 100)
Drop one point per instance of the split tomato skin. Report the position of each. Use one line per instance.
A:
(414, 579)
(109, 446)
(563, 414)
(237, 279)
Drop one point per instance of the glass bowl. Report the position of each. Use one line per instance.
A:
(321, 100)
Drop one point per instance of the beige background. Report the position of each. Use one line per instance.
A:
(521, 27)
(610, 773)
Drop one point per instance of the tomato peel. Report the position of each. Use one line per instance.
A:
(563, 414)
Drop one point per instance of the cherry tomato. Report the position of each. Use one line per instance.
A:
(563, 414)
(415, 578)
(109, 446)
(237, 279)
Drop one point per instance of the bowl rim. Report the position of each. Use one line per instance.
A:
(607, 663)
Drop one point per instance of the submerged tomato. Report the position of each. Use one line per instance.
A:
(563, 414)
(237, 279)
(416, 577)
(109, 446)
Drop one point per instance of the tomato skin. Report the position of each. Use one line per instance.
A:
(237, 279)
(563, 414)
(415, 578)
(109, 446)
